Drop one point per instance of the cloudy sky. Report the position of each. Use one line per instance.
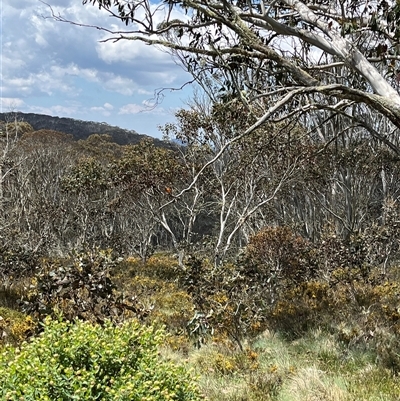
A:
(63, 70)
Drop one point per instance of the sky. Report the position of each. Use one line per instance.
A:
(54, 68)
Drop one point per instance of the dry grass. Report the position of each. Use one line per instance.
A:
(313, 368)
(311, 384)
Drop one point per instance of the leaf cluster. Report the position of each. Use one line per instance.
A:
(87, 175)
(80, 287)
(144, 167)
(82, 361)
(17, 262)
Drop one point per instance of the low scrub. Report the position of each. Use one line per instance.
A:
(316, 366)
(84, 361)
(81, 287)
(14, 326)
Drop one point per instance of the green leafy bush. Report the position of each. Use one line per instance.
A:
(83, 361)
(161, 266)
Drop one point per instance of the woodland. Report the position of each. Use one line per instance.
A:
(264, 241)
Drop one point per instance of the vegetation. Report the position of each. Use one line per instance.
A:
(15, 327)
(266, 243)
(314, 367)
(77, 128)
(89, 362)
(278, 240)
(279, 60)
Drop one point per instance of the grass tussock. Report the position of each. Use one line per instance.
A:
(311, 384)
(314, 368)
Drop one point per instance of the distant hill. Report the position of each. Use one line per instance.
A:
(78, 128)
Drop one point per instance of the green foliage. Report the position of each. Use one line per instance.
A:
(87, 175)
(45, 137)
(144, 166)
(101, 147)
(162, 266)
(279, 254)
(288, 284)
(165, 302)
(81, 361)
(316, 366)
(17, 128)
(153, 286)
(237, 299)
(230, 301)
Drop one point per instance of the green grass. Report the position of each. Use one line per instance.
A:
(334, 364)
(313, 368)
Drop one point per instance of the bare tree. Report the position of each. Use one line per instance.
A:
(246, 177)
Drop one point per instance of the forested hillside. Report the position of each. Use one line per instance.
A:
(59, 194)
(77, 128)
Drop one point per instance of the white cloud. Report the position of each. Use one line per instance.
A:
(97, 108)
(73, 69)
(149, 103)
(119, 84)
(144, 92)
(131, 109)
(41, 82)
(131, 52)
(10, 104)
(58, 68)
(41, 55)
(105, 110)
(146, 107)
(60, 110)
(8, 62)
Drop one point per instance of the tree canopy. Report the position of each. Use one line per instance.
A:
(280, 58)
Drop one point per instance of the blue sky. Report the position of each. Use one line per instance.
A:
(62, 70)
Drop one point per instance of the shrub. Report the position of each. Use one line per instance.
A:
(279, 254)
(230, 300)
(166, 302)
(79, 287)
(16, 261)
(17, 265)
(153, 287)
(84, 361)
(14, 326)
(160, 266)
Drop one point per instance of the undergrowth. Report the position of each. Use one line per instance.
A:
(333, 338)
(314, 367)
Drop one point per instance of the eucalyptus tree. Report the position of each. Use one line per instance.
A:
(240, 182)
(281, 58)
(86, 184)
(40, 208)
(10, 134)
(10, 162)
(146, 179)
(333, 66)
